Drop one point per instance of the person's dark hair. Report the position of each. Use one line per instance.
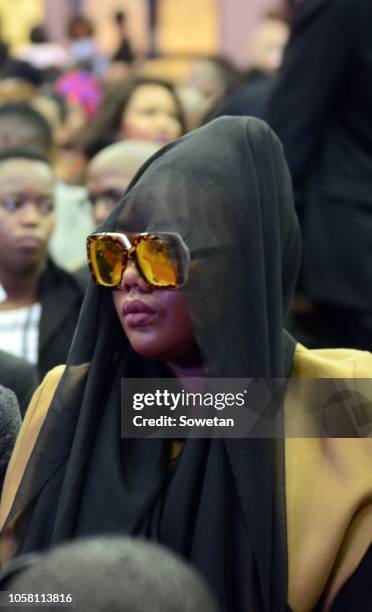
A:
(25, 114)
(107, 122)
(120, 17)
(21, 152)
(118, 574)
(19, 69)
(38, 35)
(78, 27)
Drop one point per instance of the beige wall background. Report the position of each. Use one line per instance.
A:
(188, 27)
(101, 12)
(17, 17)
(238, 18)
(185, 26)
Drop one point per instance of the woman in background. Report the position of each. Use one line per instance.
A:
(140, 109)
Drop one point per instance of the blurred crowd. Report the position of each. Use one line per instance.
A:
(75, 126)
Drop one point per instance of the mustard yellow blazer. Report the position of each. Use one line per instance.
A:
(328, 485)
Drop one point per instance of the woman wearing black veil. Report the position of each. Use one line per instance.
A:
(251, 515)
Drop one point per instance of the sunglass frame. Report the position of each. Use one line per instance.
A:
(129, 253)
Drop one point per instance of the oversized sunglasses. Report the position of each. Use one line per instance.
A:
(162, 259)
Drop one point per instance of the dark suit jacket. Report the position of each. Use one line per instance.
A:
(61, 296)
(249, 99)
(19, 376)
(321, 108)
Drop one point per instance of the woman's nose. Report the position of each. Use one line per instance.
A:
(132, 279)
(30, 215)
(162, 121)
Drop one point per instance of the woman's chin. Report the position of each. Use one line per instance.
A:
(149, 349)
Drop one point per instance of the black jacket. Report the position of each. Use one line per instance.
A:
(61, 296)
(249, 99)
(321, 109)
(19, 376)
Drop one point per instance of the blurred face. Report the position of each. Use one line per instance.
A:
(80, 29)
(26, 214)
(267, 45)
(152, 115)
(155, 321)
(106, 186)
(205, 78)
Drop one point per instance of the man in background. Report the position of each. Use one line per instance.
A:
(321, 109)
(108, 175)
(110, 172)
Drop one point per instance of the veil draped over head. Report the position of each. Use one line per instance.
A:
(226, 189)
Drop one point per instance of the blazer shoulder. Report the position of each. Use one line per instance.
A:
(328, 479)
(52, 378)
(27, 437)
(331, 363)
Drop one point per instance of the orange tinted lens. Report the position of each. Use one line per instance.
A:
(156, 263)
(107, 261)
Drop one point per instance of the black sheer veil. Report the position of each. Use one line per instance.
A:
(224, 187)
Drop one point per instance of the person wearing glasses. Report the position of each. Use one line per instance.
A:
(39, 302)
(193, 275)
